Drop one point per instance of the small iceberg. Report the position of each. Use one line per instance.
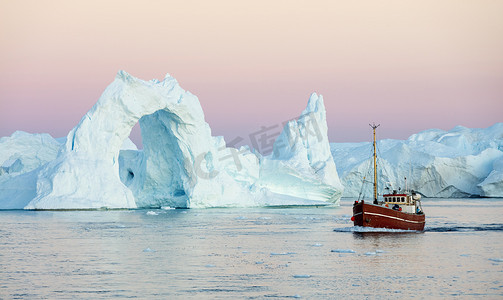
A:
(152, 213)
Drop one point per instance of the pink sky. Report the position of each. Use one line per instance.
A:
(409, 65)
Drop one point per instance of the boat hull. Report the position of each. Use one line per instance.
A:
(377, 216)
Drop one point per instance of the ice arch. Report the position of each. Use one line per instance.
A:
(176, 138)
(182, 166)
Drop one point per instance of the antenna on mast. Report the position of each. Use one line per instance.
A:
(374, 127)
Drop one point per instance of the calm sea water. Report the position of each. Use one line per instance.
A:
(308, 253)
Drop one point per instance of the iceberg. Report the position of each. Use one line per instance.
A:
(21, 157)
(23, 152)
(301, 164)
(181, 164)
(492, 186)
(462, 162)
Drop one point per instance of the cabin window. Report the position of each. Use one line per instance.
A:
(403, 199)
(394, 199)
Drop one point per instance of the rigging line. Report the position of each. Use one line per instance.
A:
(409, 175)
(362, 190)
(381, 161)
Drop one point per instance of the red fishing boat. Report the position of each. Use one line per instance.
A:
(396, 210)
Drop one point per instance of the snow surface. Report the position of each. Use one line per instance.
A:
(461, 162)
(181, 164)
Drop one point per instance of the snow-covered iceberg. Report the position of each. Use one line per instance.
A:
(181, 164)
(23, 152)
(21, 157)
(461, 162)
(301, 164)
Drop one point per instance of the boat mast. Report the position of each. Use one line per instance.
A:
(374, 127)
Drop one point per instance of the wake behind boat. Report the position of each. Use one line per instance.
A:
(397, 210)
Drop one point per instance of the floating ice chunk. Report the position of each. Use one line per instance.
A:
(241, 218)
(496, 259)
(370, 253)
(379, 251)
(210, 266)
(301, 276)
(152, 213)
(282, 253)
(259, 262)
(343, 251)
(148, 250)
(167, 208)
(317, 245)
